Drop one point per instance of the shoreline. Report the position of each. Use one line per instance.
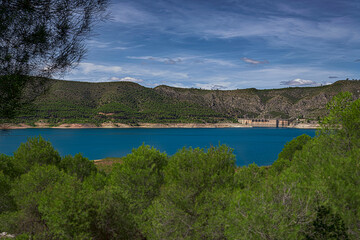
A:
(11, 126)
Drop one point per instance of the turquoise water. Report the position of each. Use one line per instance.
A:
(259, 145)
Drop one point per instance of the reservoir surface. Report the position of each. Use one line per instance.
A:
(259, 145)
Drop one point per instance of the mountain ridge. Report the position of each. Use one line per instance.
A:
(60, 101)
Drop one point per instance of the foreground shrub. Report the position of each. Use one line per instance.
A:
(138, 179)
(35, 151)
(193, 196)
(78, 166)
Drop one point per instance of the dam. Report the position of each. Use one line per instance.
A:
(277, 123)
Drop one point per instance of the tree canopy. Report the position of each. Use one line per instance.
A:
(45, 37)
(41, 38)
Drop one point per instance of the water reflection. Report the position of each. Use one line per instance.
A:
(5, 132)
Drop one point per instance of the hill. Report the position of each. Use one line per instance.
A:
(58, 101)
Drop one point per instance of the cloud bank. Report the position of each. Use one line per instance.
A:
(166, 60)
(299, 82)
(252, 61)
(229, 45)
(126, 79)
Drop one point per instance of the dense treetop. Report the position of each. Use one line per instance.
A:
(41, 38)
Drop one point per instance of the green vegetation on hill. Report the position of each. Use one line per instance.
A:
(75, 102)
(56, 101)
(312, 191)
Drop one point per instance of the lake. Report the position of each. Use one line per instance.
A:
(259, 145)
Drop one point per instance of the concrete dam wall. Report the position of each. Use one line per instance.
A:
(264, 122)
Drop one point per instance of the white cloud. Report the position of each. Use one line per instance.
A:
(127, 13)
(187, 59)
(99, 73)
(292, 10)
(292, 30)
(299, 82)
(97, 44)
(284, 29)
(326, 83)
(252, 61)
(127, 47)
(166, 60)
(216, 62)
(87, 68)
(120, 48)
(178, 85)
(214, 85)
(111, 45)
(210, 76)
(126, 79)
(150, 72)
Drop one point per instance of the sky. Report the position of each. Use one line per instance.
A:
(225, 44)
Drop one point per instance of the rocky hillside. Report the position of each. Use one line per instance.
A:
(67, 101)
(309, 102)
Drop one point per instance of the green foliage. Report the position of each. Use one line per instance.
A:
(6, 201)
(9, 221)
(72, 102)
(52, 205)
(41, 38)
(293, 146)
(45, 33)
(27, 192)
(288, 152)
(279, 165)
(108, 211)
(56, 102)
(10, 94)
(249, 176)
(7, 166)
(326, 226)
(138, 179)
(64, 208)
(78, 166)
(193, 195)
(35, 151)
(344, 117)
(111, 216)
(277, 114)
(284, 203)
(23, 237)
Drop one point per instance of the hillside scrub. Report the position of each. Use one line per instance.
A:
(312, 191)
(55, 102)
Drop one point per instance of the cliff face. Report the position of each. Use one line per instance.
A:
(130, 102)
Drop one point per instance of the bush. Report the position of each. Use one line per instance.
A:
(78, 166)
(35, 151)
(138, 179)
(194, 195)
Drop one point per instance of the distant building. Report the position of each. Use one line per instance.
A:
(264, 122)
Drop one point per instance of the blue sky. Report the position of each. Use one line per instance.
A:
(225, 44)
